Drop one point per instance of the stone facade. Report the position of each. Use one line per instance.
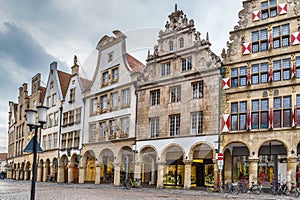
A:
(177, 112)
(260, 133)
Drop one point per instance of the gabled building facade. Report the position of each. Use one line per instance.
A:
(110, 114)
(260, 132)
(72, 127)
(177, 110)
(49, 164)
(19, 162)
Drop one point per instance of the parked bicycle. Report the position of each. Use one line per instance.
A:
(130, 183)
(240, 187)
(255, 188)
(282, 188)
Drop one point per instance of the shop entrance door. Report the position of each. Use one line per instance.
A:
(200, 175)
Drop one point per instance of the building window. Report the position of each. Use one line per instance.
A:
(103, 102)
(92, 135)
(238, 115)
(175, 94)
(124, 126)
(165, 69)
(154, 127)
(259, 73)
(197, 90)
(49, 101)
(281, 36)
(260, 114)
(186, 64)
(72, 95)
(103, 129)
(238, 76)
(77, 115)
(110, 57)
(54, 99)
(174, 125)
(125, 97)
(51, 84)
(55, 140)
(197, 122)
(50, 122)
(181, 42)
(55, 118)
(45, 141)
(298, 67)
(49, 141)
(105, 78)
(298, 109)
(113, 128)
(281, 69)
(71, 117)
(268, 9)
(65, 118)
(171, 46)
(94, 105)
(282, 112)
(260, 40)
(155, 97)
(115, 74)
(114, 100)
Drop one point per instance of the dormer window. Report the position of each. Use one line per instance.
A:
(72, 95)
(105, 78)
(51, 84)
(181, 42)
(115, 74)
(171, 46)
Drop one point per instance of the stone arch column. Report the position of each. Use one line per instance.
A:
(45, 174)
(82, 169)
(187, 173)
(160, 174)
(253, 164)
(292, 163)
(98, 172)
(39, 172)
(70, 173)
(117, 173)
(137, 170)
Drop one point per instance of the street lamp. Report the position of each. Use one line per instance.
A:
(31, 122)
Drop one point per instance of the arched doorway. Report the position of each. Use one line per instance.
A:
(107, 171)
(174, 169)
(55, 169)
(40, 171)
(75, 171)
(127, 164)
(90, 166)
(236, 162)
(64, 164)
(149, 166)
(272, 163)
(48, 169)
(202, 171)
(27, 171)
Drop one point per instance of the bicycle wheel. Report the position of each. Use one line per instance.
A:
(294, 192)
(236, 189)
(256, 190)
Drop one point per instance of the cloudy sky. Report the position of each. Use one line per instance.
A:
(35, 33)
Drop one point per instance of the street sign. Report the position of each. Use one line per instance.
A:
(29, 147)
(220, 162)
(220, 156)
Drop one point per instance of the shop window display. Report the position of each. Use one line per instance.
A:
(241, 168)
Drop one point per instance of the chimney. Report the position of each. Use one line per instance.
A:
(75, 68)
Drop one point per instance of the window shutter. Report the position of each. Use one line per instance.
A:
(246, 48)
(271, 118)
(256, 15)
(226, 83)
(225, 123)
(282, 9)
(248, 120)
(295, 38)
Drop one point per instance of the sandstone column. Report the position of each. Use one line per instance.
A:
(160, 174)
(187, 174)
(253, 170)
(292, 163)
(98, 173)
(45, 174)
(39, 173)
(26, 174)
(60, 176)
(70, 173)
(137, 170)
(117, 173)
(82, 169)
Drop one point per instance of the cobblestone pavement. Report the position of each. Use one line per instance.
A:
(19, 190)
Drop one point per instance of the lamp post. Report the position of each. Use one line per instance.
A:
(31, 122)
